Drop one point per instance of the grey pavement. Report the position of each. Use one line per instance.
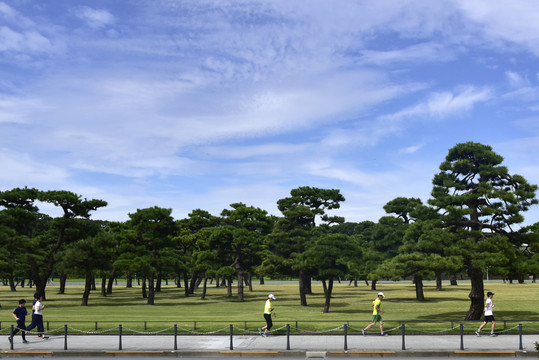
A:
(277, 346)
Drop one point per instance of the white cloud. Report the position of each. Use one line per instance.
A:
(514, 21)
(95, 18)
(442, 104)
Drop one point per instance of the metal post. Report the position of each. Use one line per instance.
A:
(120, 337)
(96, 326)
(65, 337)
(345, 337)
(403, 336)
(520, 337)
(287, 336)
(461, 337)
(175, 336)
(12, 340)
(145, 325)
(231, 336)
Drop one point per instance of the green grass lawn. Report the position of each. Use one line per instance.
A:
(514, 302)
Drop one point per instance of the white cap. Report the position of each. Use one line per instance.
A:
(381, 294)
(271, 296)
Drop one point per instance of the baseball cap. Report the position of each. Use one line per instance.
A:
(490, 293)
(271, 296)
(381, 294)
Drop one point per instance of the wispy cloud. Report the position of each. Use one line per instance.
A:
(95, 18)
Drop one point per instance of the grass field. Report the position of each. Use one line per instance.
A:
(514, 303)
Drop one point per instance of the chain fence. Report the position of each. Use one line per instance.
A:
(346, 329)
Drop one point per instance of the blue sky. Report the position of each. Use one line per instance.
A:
(200, 104)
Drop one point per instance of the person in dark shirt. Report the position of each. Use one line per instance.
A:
(19, 314)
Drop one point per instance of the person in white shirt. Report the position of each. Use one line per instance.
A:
(489, 315)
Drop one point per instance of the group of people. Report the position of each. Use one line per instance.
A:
(37, 316)
(20, 313)
(377, 315)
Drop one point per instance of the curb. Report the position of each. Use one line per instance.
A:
(268, 354)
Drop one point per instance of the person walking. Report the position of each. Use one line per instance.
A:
(37, 317)
(489, 315)
(376, 315)
(19, 314)
(269, 310)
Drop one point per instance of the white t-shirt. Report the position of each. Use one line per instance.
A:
(488, 307)
(37, 308)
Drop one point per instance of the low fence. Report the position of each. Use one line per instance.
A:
(289, 329)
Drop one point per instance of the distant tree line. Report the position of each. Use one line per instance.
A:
(467, 225)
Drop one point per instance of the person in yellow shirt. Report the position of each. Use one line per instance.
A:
(376, 315)
(268, 311)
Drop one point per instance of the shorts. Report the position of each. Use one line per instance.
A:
(376, 318)
(489, 318)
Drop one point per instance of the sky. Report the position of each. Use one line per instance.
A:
(200, 104)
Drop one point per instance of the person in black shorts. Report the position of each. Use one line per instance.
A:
(19, 314)
(489, 315)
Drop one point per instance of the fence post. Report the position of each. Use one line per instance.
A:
(520, 337)
(345, 337)
(287, 336)
(11, 336)
(231, 337)
(96, 326)
(120, 337)
(65, 337)
(403, 336)
(175, 336)
(461, 337)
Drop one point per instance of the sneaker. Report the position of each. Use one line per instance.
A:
(260, 331)
(265, 335)
(492, 334)
(25, 341)
(478, 333)
(383, 334)
(363, 332)
(42, 337)
(10, 339)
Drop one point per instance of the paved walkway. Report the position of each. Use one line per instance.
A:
(272, 346)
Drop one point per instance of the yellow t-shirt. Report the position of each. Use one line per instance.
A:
(376, 303)
(268, 307)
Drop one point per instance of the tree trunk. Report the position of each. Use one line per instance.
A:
(151, 290)
(193, 282)
(328, 290)
(104, 285)
(453, 279)
(229, 286)
(158, 282)
(93, 283)
(63, 281)
(112, 277)
(185, 284)
(87, 288)
(476, 293)
(302, 294)
(204, 286)
(307, 283)
(418, 281)
(12, 286)
(144, 292)
(439, 281)
(129, 280)
(240, 284)
(261, 280)
(373, 284)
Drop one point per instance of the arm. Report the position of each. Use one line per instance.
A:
(15, 316)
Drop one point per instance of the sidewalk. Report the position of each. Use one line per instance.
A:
(273, 346)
